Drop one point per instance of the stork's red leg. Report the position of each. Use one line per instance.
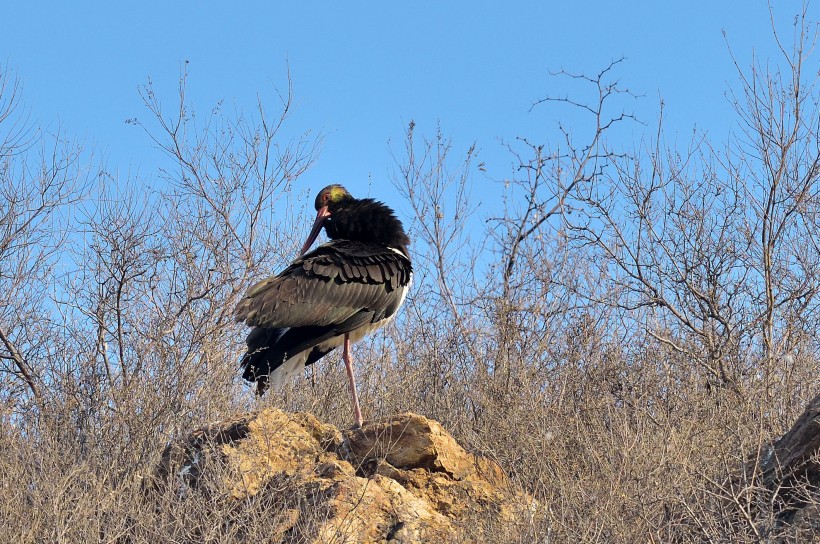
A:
(349, 366)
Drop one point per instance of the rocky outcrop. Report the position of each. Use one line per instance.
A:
(790, 472)
(401, 480)
(793, 458)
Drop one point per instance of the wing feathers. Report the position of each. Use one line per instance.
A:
(328, 286)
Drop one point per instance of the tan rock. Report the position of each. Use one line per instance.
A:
(402, 480)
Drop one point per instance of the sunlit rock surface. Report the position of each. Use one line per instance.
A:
(400, 480)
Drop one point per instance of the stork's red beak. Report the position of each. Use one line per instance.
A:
(321, 215)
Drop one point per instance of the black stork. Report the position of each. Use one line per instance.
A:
(329, 297)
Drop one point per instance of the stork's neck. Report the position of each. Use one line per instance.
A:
(366, 220)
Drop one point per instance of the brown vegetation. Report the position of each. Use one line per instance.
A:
(627, 339)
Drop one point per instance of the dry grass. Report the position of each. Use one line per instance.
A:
(608, 461)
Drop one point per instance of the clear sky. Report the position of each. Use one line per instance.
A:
(361, 71)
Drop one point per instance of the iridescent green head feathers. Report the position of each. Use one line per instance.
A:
(332, 194)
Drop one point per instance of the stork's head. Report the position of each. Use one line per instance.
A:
(325, 201)
(330, 195)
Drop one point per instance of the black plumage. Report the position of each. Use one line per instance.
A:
(336, 293)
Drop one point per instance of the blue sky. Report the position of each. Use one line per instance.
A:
(362, 71)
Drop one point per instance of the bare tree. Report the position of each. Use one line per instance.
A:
(435, 182)
(715, 245)
(540, 276)
(40, 179)
(777, 156)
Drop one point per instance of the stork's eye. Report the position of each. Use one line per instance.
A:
(326, 197)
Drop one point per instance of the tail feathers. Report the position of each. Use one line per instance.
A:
(261, 356)
(285, 372)
(275, 355)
